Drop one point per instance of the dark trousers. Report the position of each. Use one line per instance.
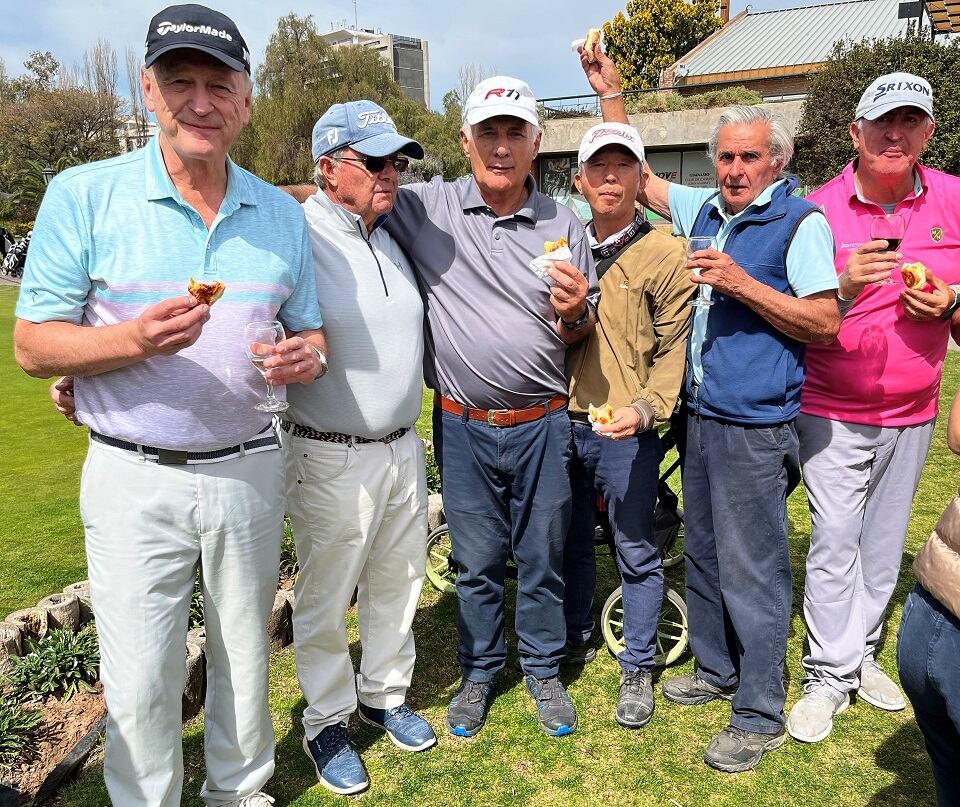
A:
(928, 660)
(735, 485)
(507, 490)
(625, 473)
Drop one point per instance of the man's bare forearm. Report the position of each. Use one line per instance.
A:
(45, 349)
(806, 319)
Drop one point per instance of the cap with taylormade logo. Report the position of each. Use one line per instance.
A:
(500, 95)
(365, 127)
(197, 28)
(610, 134)
(892, 91)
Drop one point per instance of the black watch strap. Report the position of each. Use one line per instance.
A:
(580, 321)
(954, 305)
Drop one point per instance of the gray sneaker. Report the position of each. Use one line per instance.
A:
(735, 750)
(811, 718)
(635, 703)
(878, 689)
(690, 690)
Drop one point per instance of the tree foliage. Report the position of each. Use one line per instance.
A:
(300, 77)
(654, 34)
(823, 138)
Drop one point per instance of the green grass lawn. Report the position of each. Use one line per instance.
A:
(871, 758)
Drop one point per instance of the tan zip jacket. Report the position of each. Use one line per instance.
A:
(637, 351)
(937, 565)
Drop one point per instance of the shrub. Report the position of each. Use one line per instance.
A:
(61, 663)
(196, 605)
(433, 471)
(17, 731)
(289, 565)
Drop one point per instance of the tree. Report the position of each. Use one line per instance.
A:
(468, 77)
(654, 34)
(823, 138)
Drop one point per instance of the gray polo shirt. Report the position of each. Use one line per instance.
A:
(491, 339)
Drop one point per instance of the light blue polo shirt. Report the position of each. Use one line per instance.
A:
(809, 259)
(114, 237)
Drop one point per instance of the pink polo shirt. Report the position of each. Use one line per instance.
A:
(883, 369)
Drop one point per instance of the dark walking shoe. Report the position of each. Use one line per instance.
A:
(468, 707)
(635, 704)
(554, 709)
(339, 768)
(690, 690)
(404, 726)
(734, 750)
(577, 654)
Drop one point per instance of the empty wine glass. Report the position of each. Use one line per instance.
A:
(695, 244)
(259, 339)
(889, 228)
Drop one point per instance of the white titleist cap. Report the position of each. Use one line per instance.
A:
(892, 91)
(610, 134)
(501, 95)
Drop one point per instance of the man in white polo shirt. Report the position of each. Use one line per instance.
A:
(356, 485)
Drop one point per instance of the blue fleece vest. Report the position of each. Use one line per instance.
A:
(752, 372)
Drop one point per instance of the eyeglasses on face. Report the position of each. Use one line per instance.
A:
(376, 164)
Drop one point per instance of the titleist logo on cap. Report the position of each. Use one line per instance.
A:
(372, 117)
(165, 28)
(624, 135)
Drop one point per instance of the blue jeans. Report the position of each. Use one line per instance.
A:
(625, 473)
(928, 660)
(507, 491)
(735, 485)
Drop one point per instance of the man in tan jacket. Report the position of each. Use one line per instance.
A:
(633, 361)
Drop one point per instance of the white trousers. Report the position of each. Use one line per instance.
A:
(860, 483)
(359, 515)
(148, 527)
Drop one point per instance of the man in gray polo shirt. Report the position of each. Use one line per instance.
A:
(496, 342)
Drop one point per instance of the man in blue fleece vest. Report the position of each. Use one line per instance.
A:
(770, 287)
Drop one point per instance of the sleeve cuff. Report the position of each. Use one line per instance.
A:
(647, 415)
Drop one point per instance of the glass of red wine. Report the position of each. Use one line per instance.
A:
(887, 228)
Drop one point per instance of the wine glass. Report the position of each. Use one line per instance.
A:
(259, 339)
(695, 244)
(888, 227)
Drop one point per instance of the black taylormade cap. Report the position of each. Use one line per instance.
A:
(199, 28)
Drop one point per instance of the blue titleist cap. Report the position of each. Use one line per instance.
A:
(363, 126)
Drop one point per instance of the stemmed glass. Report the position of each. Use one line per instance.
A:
(695, 244)
(259, 339)
(887, 228)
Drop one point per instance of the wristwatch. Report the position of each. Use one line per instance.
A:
(579, 322)
(954, 305)
(323, 361)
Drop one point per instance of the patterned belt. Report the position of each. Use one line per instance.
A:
(336, 437)
(166, 456)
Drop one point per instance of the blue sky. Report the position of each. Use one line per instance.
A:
(529, 40)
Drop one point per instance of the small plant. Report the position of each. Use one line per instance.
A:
(62, 663)
(196, 605)
(289, 565)
(17, 731)
(433, 471)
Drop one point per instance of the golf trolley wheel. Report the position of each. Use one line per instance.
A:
(673, 549)
(440, 572)
(671, 626)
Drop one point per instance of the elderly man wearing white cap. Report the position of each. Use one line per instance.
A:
(497, 333)
(633, 361)
(870, 397)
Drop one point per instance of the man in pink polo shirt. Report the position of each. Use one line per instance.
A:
(870, 397)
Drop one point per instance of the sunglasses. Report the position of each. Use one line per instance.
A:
(376, 164)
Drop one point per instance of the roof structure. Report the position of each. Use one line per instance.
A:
(756, 44)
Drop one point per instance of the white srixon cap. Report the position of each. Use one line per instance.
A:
(610, 134)
(892, 91)
(501, 95)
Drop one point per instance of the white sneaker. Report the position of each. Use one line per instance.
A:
(258, 799)
(878, 689)
(811, 718)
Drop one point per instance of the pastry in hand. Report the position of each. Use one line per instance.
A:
(553, 246)
(914, 275)
(600, 416)
(206, 293)
(590, 44)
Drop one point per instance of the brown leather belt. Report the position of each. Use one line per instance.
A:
(501, 417)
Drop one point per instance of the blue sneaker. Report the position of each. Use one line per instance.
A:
(405, 727)
(554, 709)
(339, 768)
(468, 707)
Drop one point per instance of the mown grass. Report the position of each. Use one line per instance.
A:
(871, 758)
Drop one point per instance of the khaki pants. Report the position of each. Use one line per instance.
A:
(148, 526)
(359, 516)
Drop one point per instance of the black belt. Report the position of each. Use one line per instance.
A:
(338, 437)
(166, 456)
